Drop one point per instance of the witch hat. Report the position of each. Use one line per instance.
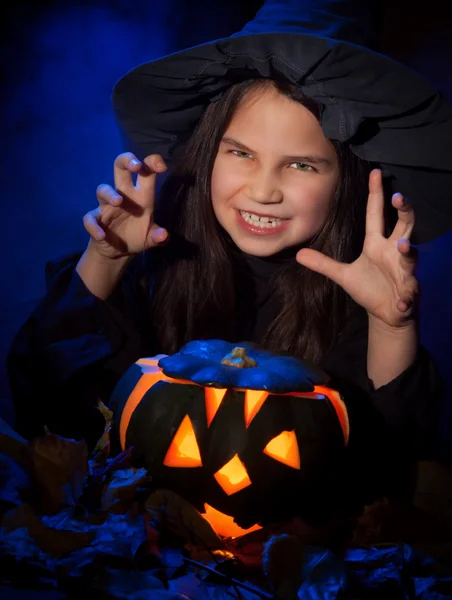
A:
(385, 111)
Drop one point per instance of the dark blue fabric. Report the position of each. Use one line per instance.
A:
(354, 21)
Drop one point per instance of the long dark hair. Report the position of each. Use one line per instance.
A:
(195, 290)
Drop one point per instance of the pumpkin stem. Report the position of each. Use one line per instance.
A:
(238, 358)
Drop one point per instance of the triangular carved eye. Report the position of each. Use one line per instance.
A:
(214, 398)
(284, 447)
(233, 477)
(254, 399)
(184, 449)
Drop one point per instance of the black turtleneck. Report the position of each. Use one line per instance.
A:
(259, 302)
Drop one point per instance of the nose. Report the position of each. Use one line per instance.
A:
(264, 188)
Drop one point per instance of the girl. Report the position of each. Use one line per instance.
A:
(266, 229)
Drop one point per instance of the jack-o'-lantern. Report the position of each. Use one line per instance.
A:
(244, 434)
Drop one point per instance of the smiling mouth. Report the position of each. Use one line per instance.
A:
(261, 222)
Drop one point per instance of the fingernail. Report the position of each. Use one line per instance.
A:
(134, 162)
(160, 235)
(161, 165)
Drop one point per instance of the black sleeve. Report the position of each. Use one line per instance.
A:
(72, 350)
(408, 405)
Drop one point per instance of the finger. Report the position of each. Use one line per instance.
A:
(106, 194)
(409, 252)
(124, 165)
(405, 222)
(159, 235)
(320, 263)
(152, 164)
(408, 301)
(91, 224)
(375, 204)
(404, 305)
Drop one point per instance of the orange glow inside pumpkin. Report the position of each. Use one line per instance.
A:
(284, 448)
(214, 398)
(184, 449)
(223, 524)
(153, 374)
(254, 400)
(233, 477)
(341, 411)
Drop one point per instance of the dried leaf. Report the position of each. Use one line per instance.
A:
(231, 588)
(166, 509)
(378, 569)
(369, 525)
(118, 583)
(212, 558)
(311, 535)
(248, 548)
(13, 481)
(123, 486)
(15, 467)
(15, 449)
(121, 534)
(117, 539)
(172, 558)
(102, 449)
(106, 413)
(249, 555)
(6, 429)
(282, 561)
(97, 479)
(123, 460)
(190, 587)
(36, 581)
(323, 575)
(59, 466)
(155, 595)
(55, 542)
(393, 522)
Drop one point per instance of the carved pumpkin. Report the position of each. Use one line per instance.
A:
(242, 433)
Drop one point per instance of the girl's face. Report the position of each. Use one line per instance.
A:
(274, 176)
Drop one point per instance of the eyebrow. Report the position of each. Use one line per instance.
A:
(310, 158)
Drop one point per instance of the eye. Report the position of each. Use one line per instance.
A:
(240, 153)
(303, 167)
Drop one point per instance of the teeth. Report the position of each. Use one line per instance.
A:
(264, 222)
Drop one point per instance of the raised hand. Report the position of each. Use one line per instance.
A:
(123, 223)
(382, 279)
